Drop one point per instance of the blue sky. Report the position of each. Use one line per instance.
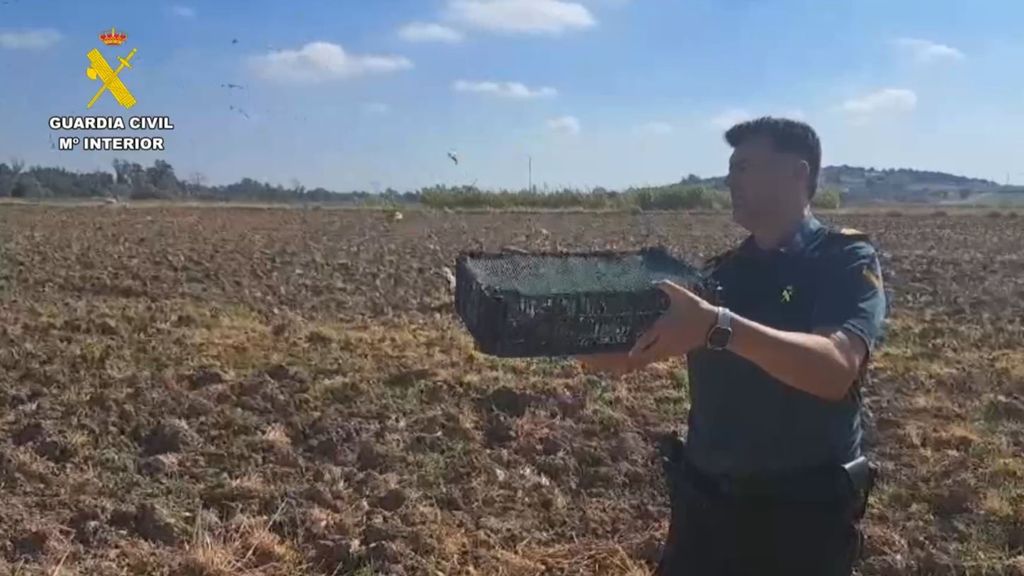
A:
(357, 95)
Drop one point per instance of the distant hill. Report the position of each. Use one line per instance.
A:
(1008, 196)
(867, 185)
(860, 185)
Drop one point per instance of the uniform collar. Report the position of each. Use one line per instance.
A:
(802, 238)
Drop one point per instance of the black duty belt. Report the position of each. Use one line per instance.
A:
(811, 485)
(846, 486)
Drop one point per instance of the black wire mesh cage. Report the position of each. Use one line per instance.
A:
(564, 304)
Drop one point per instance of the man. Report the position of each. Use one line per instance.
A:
(771, 478)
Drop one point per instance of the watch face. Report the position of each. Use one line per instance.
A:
(719, 337)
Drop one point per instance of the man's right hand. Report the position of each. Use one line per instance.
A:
(615, 363)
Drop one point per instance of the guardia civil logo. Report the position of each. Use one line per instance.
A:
(111, 82)
(110, 79)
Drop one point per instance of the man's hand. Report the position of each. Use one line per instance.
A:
(681, 328)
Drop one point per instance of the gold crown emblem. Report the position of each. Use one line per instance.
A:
(113, 38)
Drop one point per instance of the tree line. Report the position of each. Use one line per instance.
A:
(132, 181)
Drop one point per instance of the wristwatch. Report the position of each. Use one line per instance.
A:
(721, 333)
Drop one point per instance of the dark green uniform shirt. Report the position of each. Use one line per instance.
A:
(742, 420)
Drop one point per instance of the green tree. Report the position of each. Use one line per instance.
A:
(161, 177)
(9, 176)
(29, 187)
(827, 199)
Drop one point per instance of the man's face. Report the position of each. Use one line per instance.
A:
(765, 185)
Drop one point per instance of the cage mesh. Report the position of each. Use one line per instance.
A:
(521, 305)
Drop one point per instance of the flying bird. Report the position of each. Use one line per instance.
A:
(454, 157)
(239, 110)
(234, 40)
(229, 85)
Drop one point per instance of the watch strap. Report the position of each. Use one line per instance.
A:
(724, 318)
(723, 324)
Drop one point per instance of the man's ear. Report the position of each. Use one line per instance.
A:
(803, 170)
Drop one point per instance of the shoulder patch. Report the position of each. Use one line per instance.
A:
(871, 277)
(849, 234)
(838, 239)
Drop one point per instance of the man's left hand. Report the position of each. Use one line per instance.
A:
(683, 327)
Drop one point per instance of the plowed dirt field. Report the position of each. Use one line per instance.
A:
(286, 391)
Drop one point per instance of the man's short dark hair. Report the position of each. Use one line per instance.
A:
(786, 135)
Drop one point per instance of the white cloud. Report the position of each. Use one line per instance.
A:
(565, 125)
(376, 108)
(550, 17)
(926, 51)
(183, 11)
(429, 32)
(731, 117)
(654, 128)
(885, 100)
(29, 39)
(322, 61)
(515, 90)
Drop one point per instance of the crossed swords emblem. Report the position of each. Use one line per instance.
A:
(101, 70)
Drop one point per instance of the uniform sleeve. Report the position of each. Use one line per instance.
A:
(851, 294)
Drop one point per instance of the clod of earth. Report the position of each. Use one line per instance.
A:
(1007, 408)
(952, 500)
(385, 553)
(170, 435)
(628, 446)
(421, 543)
(28, 433)
(320, 497)
(107, 327)
(88, 527)
(55, 450)
(1015, 536)
(648, 550)
(203, 377)
(601, 477)
(318, 337)
(369, 458)
(392, 500)
(410, 377)
(159, 465)
(336, 556)
(508, 401)
(551, 446)
(500, 430)
(570, 406)
(156, 525)
(197, 407)
(282, 373)
(374, 533)
(32, 544)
